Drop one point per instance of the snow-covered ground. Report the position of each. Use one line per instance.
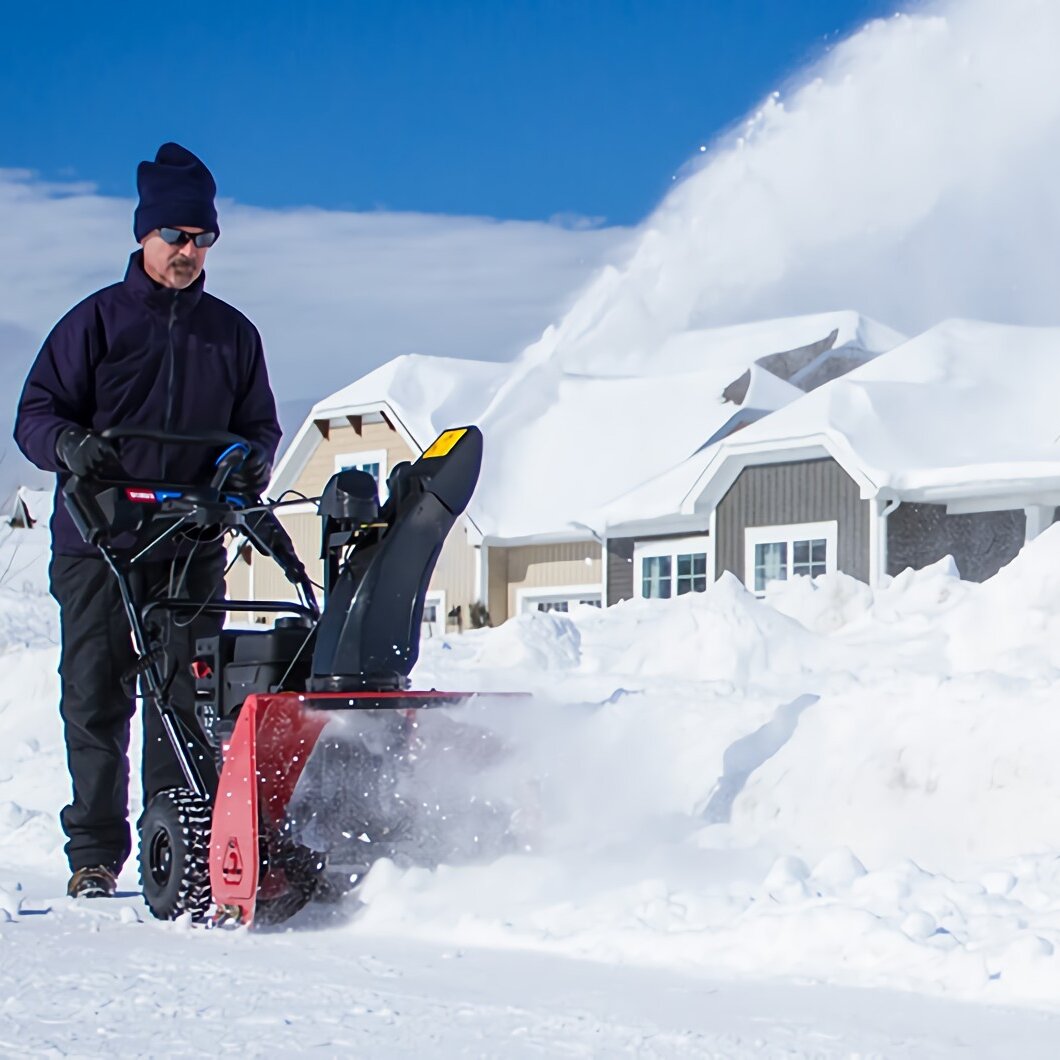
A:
(819, 824)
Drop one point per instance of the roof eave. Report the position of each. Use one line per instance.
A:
(731, 458)
(659, 526)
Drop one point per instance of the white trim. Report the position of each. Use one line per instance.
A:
(555, 538)
(604, 564)
(788, 533)
(663, 524)
(695, 545)
(996, 503)
(356, 457)
(882, 509)
(435, 597)
(570, 593)
(731, 458)
(1039, 519)
(712, 531)
(304, 444)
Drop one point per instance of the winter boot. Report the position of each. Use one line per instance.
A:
(94, 882)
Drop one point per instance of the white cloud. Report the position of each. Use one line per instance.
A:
(333, 294)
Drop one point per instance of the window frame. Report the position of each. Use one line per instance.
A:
(788, 534)
(434, 598)
(526, 600)
(654, 548)
(365, 456)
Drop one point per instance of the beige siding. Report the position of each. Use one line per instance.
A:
(237, 584)
(262, 579)
(372, 436)
(498, 585)
(304, 528)
(542, 566)
(455, 575)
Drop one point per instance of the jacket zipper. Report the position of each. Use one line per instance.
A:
(169, 351)
(168, 422)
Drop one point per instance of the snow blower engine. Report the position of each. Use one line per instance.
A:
(293, 786)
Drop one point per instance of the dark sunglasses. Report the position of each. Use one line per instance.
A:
(176, 238)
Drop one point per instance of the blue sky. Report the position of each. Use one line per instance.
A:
(505, 108)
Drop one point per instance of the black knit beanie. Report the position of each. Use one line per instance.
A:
(175, 189)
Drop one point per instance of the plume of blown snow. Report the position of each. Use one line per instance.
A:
(910, 174)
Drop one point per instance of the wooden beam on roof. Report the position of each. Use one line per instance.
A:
(324, 426)
(386, 420)
(357, 423)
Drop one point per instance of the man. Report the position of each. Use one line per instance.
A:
(152, 351)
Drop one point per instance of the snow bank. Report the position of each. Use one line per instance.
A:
(832, 782)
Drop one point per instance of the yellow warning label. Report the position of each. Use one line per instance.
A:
(443, 444)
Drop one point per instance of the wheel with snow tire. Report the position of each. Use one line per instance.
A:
(175, 855)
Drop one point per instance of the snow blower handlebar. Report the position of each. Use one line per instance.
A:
(127, 520)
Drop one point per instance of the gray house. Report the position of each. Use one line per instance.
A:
(947, 445)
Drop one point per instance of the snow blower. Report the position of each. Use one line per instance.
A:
(297, 781)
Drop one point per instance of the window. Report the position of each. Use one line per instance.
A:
(671, 567)
(433, 622)
(372, 461)
(655, 577)
(691, 573)
(777, 553)
(562, 599)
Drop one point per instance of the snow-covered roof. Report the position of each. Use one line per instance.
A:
(422, 396)
(36, 504)
(567, 428)
(966, 410)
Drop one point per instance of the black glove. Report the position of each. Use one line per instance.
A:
(251, 477)
(85, 453)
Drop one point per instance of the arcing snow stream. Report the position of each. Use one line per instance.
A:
(814, 825)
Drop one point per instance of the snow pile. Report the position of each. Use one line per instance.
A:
(33, 783)
(831, 783)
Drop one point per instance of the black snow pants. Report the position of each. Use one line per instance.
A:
(97, 705)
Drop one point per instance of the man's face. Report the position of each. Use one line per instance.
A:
(170, 265)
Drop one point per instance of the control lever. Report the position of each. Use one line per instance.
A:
(227, 462)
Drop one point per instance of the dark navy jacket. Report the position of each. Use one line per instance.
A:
(139, 354)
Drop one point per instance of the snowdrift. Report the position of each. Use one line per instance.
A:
(833, 782)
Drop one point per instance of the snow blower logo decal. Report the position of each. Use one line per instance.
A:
(232, 866)
(443, 444)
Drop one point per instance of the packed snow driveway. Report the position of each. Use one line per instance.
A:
(99, 979)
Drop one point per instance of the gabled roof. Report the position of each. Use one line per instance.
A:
(421, 396)
(966, 411)
(566, 430)
(570, 428)
(29, 507)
